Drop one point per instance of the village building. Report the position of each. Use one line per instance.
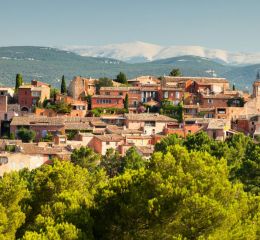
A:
(149, 123)
(80, 87)
(219, 129)
(101, 143)
(134, 94)
(107, 101)
(144, 80)
(29, 95)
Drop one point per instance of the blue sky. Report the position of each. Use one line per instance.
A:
(231, 24)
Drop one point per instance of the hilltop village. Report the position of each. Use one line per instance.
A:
(39, 123)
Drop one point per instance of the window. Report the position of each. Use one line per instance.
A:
(149, 123)
(210, 100)
(107, 93)
(177, 95)
(36, 94)
(107, 143)
(165, 94)
(120, 93)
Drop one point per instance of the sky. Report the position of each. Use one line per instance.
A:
(225, 24)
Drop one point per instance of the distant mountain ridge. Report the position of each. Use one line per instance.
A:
(136, 52)
(49, 64)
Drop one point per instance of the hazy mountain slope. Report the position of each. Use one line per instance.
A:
(140, 51)
(49, 64)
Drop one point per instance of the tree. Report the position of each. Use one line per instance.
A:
(103, 82)
(132, 159)
(53, 93)
(88, 98)
(111, 162)
(180, 195)
(18, 81)
(121, 78)
(234, 87)
(63, 194)
(63, 87)
(26, 135)
(86, 158)
(126, 103)
(170, 140)
(175, 72)
(13, 191)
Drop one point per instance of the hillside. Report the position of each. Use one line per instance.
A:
(144, 52)
(49, 64)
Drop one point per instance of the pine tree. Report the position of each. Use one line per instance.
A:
(126, 102)
(234, 87)
(63, 88)
(121, 78)
(18, 81)
(175, 72)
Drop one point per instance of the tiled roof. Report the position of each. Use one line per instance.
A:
(77, 126)
(197, 79)
(119, 88)
(145, 150)
(149, 117)
(109, 137)
(219, 96)
(68, 122)
(121, 130)
(34, 148)
(173, 88)
(36, 120)
(107, 96)
(217, 124)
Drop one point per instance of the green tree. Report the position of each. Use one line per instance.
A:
(234, 87)
(111, 162)
(18, 81)
(126, 103)
(13, 191)
(170, 140)
(175, 72)
(62, 198)
(132, 160)
(63, 87)
(86, 158)
(121, 78)
(180, 195)
(53, 93)
(103, 82)
(26, 135)
(88, 98)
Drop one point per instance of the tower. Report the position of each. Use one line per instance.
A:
(256, 86)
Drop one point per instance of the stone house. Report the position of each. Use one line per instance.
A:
(81, 87)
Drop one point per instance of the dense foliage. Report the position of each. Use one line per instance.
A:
(121, 78)
(26, 135)
(103, 82)
(195, 188)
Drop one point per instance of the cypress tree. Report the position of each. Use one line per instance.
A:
(63, 88)
(18, 81)
(126, 102)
